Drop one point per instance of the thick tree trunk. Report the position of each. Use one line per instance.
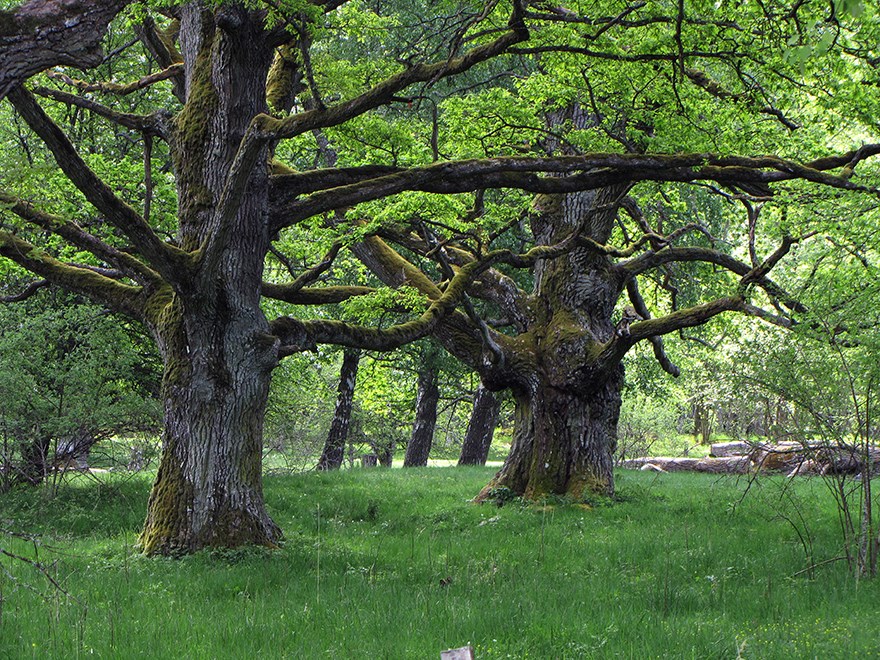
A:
(567, 402)
(212, 334)
(422, 438)
(334, 447)
(208, 491)
(481, 428)
(563, 443)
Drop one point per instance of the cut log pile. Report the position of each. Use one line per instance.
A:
(792, 458)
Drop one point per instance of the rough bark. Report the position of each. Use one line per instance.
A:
(567, 398)
(334, 446)
(481, 428)
(563, 442)
(214, 339)
(419, 446)
(44, 33)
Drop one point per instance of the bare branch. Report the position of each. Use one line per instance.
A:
(760, 271)
(770, 317)
(147, 124)
(30, 290)
(651, 260)
(160, 44)
(116, 88)
(312, 274)
(382, 93)
(635, 296)
(297, 295)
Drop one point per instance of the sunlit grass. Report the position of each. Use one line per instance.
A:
(398, 564)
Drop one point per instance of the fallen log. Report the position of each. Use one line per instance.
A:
(726, 465)
(727, 449)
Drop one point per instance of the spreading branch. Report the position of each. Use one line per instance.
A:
(147, 124)
(115, 295)
(297, 336)
(691, 317)
(566, 174)
(77, 236)
(384, 92)
(651, 260)
(171, 262)
(118, 89)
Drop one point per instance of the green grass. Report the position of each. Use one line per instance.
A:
(398, 564)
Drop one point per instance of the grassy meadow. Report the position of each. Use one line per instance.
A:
(398, 564)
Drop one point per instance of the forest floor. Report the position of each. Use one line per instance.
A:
(399, 564)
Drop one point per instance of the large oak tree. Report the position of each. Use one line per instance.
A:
(252, 86)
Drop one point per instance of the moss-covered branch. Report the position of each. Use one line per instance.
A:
(160, 44)
(684, 318)
(610, 353)
(76, 235)
(115, 295)
(299, 335)
(169, 261)
(569, 174)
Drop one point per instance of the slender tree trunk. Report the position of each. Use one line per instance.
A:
(35, 460)
(334, 447)
(422, 438)
(481, 428)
